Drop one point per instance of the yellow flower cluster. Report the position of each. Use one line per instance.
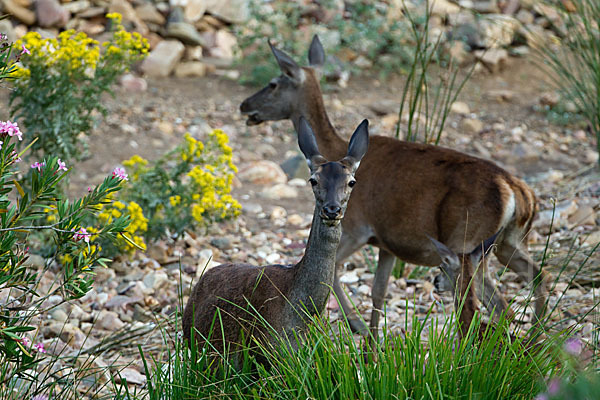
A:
(212, 181)
(138, 224)
(70, 52)
(75, 54)
(126, 44)
(191, 149)
(135, 164)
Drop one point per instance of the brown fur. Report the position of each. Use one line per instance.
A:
(407, 191)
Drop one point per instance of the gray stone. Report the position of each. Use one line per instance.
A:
(7, 28)
(132, 83)
(162, 60)
(78, 6)
(131, 376)
(190, 69)
(185, 32)
(493, 59)
(296, 167)
(460, 107)
(498, 30)
(280, 191)
(194, 10)
(147, 12)
(21, 13)
(263, 172)
(109, 320)
(471, 125)
(231, 11)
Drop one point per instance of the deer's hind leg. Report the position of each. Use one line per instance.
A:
(488, 292)
(512, 252)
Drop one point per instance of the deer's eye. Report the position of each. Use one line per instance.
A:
(352, 183)
(312, 181)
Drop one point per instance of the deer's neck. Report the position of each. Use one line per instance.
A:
(313, 275)
(331, 145)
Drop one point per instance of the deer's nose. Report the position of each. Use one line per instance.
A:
(332, 211)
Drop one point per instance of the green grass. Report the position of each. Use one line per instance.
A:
(331, 364)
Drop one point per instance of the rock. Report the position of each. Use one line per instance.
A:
(498, 30)
(295, 220)
(109, 320)
(190, 69)
(263, 172)
(193, 53)
(585, 215)
(443, 8)
(147, 12)
(129, 15)
(459, 107)
(131, 376)
(194, 10)
(251, 208)
(51, 14)
(296, 167)
(185, 32)
(525, 17)
(156, 279)
(549, 99)
(75, 7)
(6, 27)
(21, 13)
(458, 52)
(485, 7)
(280, 191)
(132, 83)
(272, 258)
(471, 126)
(225, 43)
(384, 107)
(230, 11)
(349, 278)
(501, 95)
(222, 243)
(59, 315)
(162, 60)
(492, 59)
(363, 62)
(561, 214)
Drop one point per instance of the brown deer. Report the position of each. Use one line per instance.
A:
(456, 275)
(407, 191)
(282, 295)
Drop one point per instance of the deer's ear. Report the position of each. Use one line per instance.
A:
(359, 143)
(448, 256)
(482, 249)
(287, 65)
(307, 142)
(316, 54)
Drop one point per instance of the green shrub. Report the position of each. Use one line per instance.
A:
(574, 63)
(22, 211)
(186, 188)
(364, 30)
(62, 81)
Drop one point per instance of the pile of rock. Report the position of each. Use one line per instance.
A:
(194, 37)
(187, 37)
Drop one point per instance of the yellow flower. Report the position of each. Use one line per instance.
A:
(175, 200)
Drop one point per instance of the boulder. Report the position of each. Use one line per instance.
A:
(51, 14)
(162, 60)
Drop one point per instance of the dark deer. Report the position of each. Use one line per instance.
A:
(282, 295)
(408, 191)
(456, 275)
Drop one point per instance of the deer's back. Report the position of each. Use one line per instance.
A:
(406, 190)
(238, 291)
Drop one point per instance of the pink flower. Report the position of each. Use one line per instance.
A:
(40, 397)
(89, 189)
(25, 342)
(541, 396)
(120, 173)
(82, 233)
(39, 347)
(10, 128)
(61, 165)
(553, 387)
(38, 165)
(24, 50)
(3, 37)
(573, 346)
(15, 156)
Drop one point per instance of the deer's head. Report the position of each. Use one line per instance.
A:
(332, 181)
(452, 264)
(279, 99)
